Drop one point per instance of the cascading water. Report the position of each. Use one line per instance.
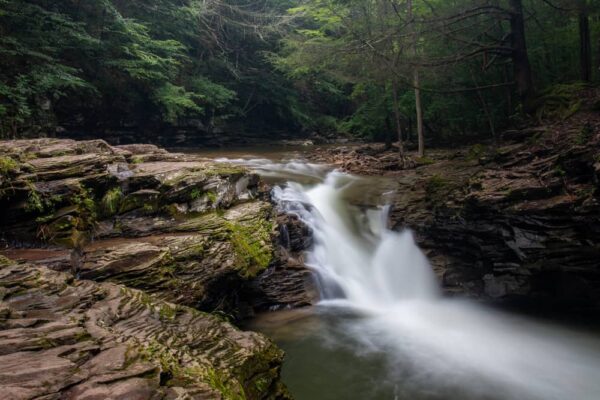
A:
(428, 341)
(358, 259)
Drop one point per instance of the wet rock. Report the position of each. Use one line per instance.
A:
(289, 283)
(525, 227)
(62, 338)
(190, 231)
(203, 263)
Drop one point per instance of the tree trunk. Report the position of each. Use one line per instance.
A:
(419, 107)
(585, 42)
(389, 133)
(398, 121)
(417, 85)
(520, 58)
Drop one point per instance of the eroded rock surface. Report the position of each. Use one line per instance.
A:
(201, 232)
(518, 222)
(115, 244)
(288, 283)
(62, 338)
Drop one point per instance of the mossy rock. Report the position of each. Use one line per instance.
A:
(145, 199)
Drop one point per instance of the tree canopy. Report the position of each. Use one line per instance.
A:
(380, 69)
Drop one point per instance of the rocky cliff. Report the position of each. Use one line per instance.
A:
(119, 253)
(517, 222)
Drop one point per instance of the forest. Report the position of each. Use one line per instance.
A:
(432, 71)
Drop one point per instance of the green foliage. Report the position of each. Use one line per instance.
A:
(212, 94)
(175, 102)
(114, 63)
(7, 166)
(364, 46)
(111, 201)
(279, 65)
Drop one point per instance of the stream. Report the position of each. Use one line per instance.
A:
(382, 329)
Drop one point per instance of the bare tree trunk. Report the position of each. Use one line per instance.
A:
(520, 58)
(419, 107)
(585, 42)
(398, 121)
(417, 85)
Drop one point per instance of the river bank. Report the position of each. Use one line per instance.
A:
(123, 268)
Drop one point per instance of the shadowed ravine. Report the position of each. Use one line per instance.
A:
(383, 330)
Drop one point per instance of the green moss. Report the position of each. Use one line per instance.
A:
(35, 203)
(437, 189)
(154, 351)
(86, 209)
(251, 244)
(195, 194)
(111, 201)
(224, 385)
(224, 170)
(45, 343)
(167, 312)
(4, 261)
(262, 384)
(425, 161)
(83, 336)
(8, 166)
(212, 197)
(559, 101)
(149, 208)
(436, 183)
(476, 151)
(137, 160)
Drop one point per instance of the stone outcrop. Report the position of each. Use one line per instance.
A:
(122, 250)
(288, 283)
(177, 226)
(520, 222)
(62, 338)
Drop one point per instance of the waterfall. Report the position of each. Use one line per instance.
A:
(381, 274)
(357, 257)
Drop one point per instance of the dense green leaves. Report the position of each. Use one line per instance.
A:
(111, 63)
(319, 65)
(462, 49)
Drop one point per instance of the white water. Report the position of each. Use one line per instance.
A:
(385, 277)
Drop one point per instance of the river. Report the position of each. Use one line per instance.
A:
(382, 329)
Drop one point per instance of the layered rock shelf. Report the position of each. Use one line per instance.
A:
(122, 266)
(516, 222)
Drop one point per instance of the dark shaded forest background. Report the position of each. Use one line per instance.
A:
(140, 70)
